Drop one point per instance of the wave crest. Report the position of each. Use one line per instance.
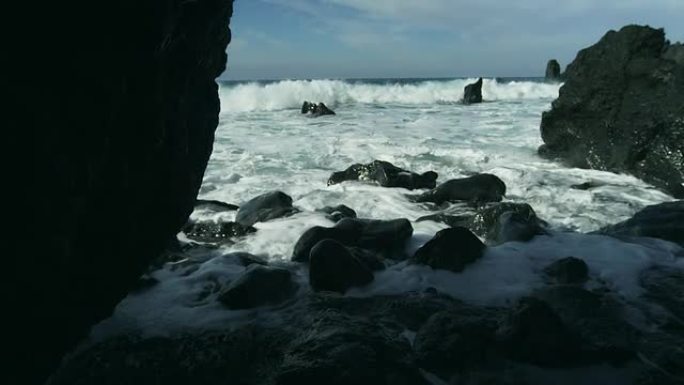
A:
(287, 94)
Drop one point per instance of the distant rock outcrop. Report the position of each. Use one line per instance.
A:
(621, 109)
(315, 110)
(553, 71)
(472, 93)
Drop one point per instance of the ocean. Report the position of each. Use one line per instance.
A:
(263, 143)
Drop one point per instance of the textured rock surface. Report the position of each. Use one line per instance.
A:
(386, 175)
(472, 93)
(621, 109)
(663, 221)
(553, 71)
(122, 132)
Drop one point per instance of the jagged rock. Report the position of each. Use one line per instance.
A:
(315, 110)
(258, 286)
(472, 93)
(478, 188)
(620, 109)
(386, 175)
(450, 249)
(534, 333)
(342, 350)
(339, 212)
(353, 232)
(333, 268)
(663, 221)
(214, 205)
(450, 341)
(122, 148)
(568, 270)
(216, 232)
(265, 207)
(553, 71)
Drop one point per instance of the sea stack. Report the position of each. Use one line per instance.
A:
(553, 71)
(472, 93)
(621, 109)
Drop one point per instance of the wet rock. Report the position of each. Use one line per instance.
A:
(662, 221)
(386, 175)
(602, 119)
(258, 286)
(214, 205)
(586, 185)
(265, 207)
(665, 286)
(244, 259)
(450, 249)
(568, 270)
(339, 212)
(341, 350)
(315, 110)
(535, 334)
(478, 188)
(371, 259)
(553, 71)
(472, 93)
(378, 235)
(451, 341)
(333, 268)
(216, 232)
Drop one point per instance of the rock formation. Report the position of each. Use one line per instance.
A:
(121, 132)
(472, 93)
(478, 188)
(386, 174)
(553, 71)
(315, 110)
(621, 109)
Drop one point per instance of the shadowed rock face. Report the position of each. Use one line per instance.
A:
(472, 93)
(621, 109)
(122, 132)
(553, 70)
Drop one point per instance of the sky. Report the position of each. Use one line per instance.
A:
(315, 39)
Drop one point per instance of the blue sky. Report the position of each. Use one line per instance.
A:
(276, 39)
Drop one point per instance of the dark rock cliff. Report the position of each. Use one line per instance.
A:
(621, 108)
(121, 101)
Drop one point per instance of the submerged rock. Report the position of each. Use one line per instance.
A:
(553, 71)
(265, 207)
(663, 221)
(333, 268)
(478, 188)
(450, 249)
(568, 270)
(214, 205)
(216, 232)
(315, 110)
(258, 286)
(386, 175)
(472, 93)
(339, 212)
(620, 109)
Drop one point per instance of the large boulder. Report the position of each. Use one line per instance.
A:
(117, 144)
(315, 110)
(333, 268)
(569, 270)
(663, 221)
(553, 71)
(265, 207)
(621, 109)
(386, 175)
(478, 188)
(472, 93)
(378, 235)
(450, 249)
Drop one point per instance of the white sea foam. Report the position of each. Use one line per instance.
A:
(263, 143)
(291, 93)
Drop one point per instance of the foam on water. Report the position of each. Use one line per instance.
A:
(291, 93)
(263, 143)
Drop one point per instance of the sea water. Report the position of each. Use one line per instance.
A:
(263, 143)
